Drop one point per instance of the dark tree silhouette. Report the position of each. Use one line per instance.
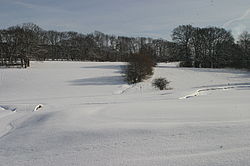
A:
(139, 68)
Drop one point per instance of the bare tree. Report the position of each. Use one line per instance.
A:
(182, 35)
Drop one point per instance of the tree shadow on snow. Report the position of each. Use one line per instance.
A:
(117, 68)
(111, 80)
(167, 67)
(113, 67)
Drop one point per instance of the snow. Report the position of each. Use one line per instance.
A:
(90, 116)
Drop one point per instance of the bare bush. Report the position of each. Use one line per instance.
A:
(160, 83)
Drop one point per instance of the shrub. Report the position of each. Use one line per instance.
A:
(139, 68)
(160, 83)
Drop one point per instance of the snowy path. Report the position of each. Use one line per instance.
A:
(89, 116)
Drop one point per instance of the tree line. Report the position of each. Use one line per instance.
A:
(211, 47)
(194, 47)
(29, 41)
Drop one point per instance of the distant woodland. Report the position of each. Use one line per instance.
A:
(210, 47)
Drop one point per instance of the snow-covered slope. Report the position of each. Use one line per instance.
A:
(83, 113)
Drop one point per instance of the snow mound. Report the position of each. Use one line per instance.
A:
(38, 107)
(6, 108)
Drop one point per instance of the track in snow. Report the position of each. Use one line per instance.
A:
(204, 90)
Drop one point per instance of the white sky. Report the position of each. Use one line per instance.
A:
(150, 18)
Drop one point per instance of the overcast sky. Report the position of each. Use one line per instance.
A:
(149, 18)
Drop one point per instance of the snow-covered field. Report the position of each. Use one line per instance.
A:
(89, 117)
